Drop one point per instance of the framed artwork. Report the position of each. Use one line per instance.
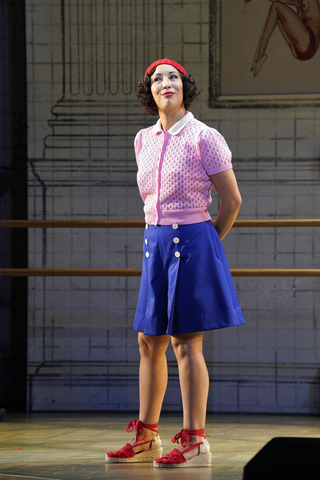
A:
(264, 53)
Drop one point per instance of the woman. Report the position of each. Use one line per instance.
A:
(186, 286)
(300, 29)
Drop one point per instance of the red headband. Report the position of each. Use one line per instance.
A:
(165, 61)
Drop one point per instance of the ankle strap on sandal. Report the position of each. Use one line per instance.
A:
(184, 436)
(140, 426)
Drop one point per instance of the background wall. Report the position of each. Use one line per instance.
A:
(84, 60)
(13, 204)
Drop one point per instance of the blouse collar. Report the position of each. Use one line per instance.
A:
(177, 127)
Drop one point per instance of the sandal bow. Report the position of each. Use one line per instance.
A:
(139, 428)
(183, 436)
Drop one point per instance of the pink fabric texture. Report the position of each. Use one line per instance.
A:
(174, 168)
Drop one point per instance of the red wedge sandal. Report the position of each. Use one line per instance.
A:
(176, 458)
(126, 453)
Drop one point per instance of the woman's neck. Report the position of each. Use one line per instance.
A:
(167, 121)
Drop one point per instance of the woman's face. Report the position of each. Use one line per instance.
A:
(167, 89)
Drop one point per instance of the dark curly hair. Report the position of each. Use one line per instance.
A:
(190, 92)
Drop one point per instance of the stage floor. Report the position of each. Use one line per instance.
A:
(61, 446)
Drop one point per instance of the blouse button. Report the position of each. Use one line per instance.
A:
(176, 240)
(147, 254)
(147, 226)
(175, 226)
(146, 241)
(177, 254)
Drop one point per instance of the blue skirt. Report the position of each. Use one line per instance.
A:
(186, 285)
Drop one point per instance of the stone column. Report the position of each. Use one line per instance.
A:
(106, 47)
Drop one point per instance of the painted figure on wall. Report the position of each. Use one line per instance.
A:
(300, 29)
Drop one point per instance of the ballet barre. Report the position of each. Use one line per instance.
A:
(136, 272)
(249, 223)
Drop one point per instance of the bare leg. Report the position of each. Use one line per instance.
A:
(194, 383)
(293, 29)
(153, 379)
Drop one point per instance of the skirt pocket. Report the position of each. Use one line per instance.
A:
(215, 240)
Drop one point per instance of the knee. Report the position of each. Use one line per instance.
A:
(276, 6)
(145, 347)
(151, 346)
(185, 348)
(182, 350)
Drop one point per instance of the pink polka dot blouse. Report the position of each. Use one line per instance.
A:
(174, 168)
